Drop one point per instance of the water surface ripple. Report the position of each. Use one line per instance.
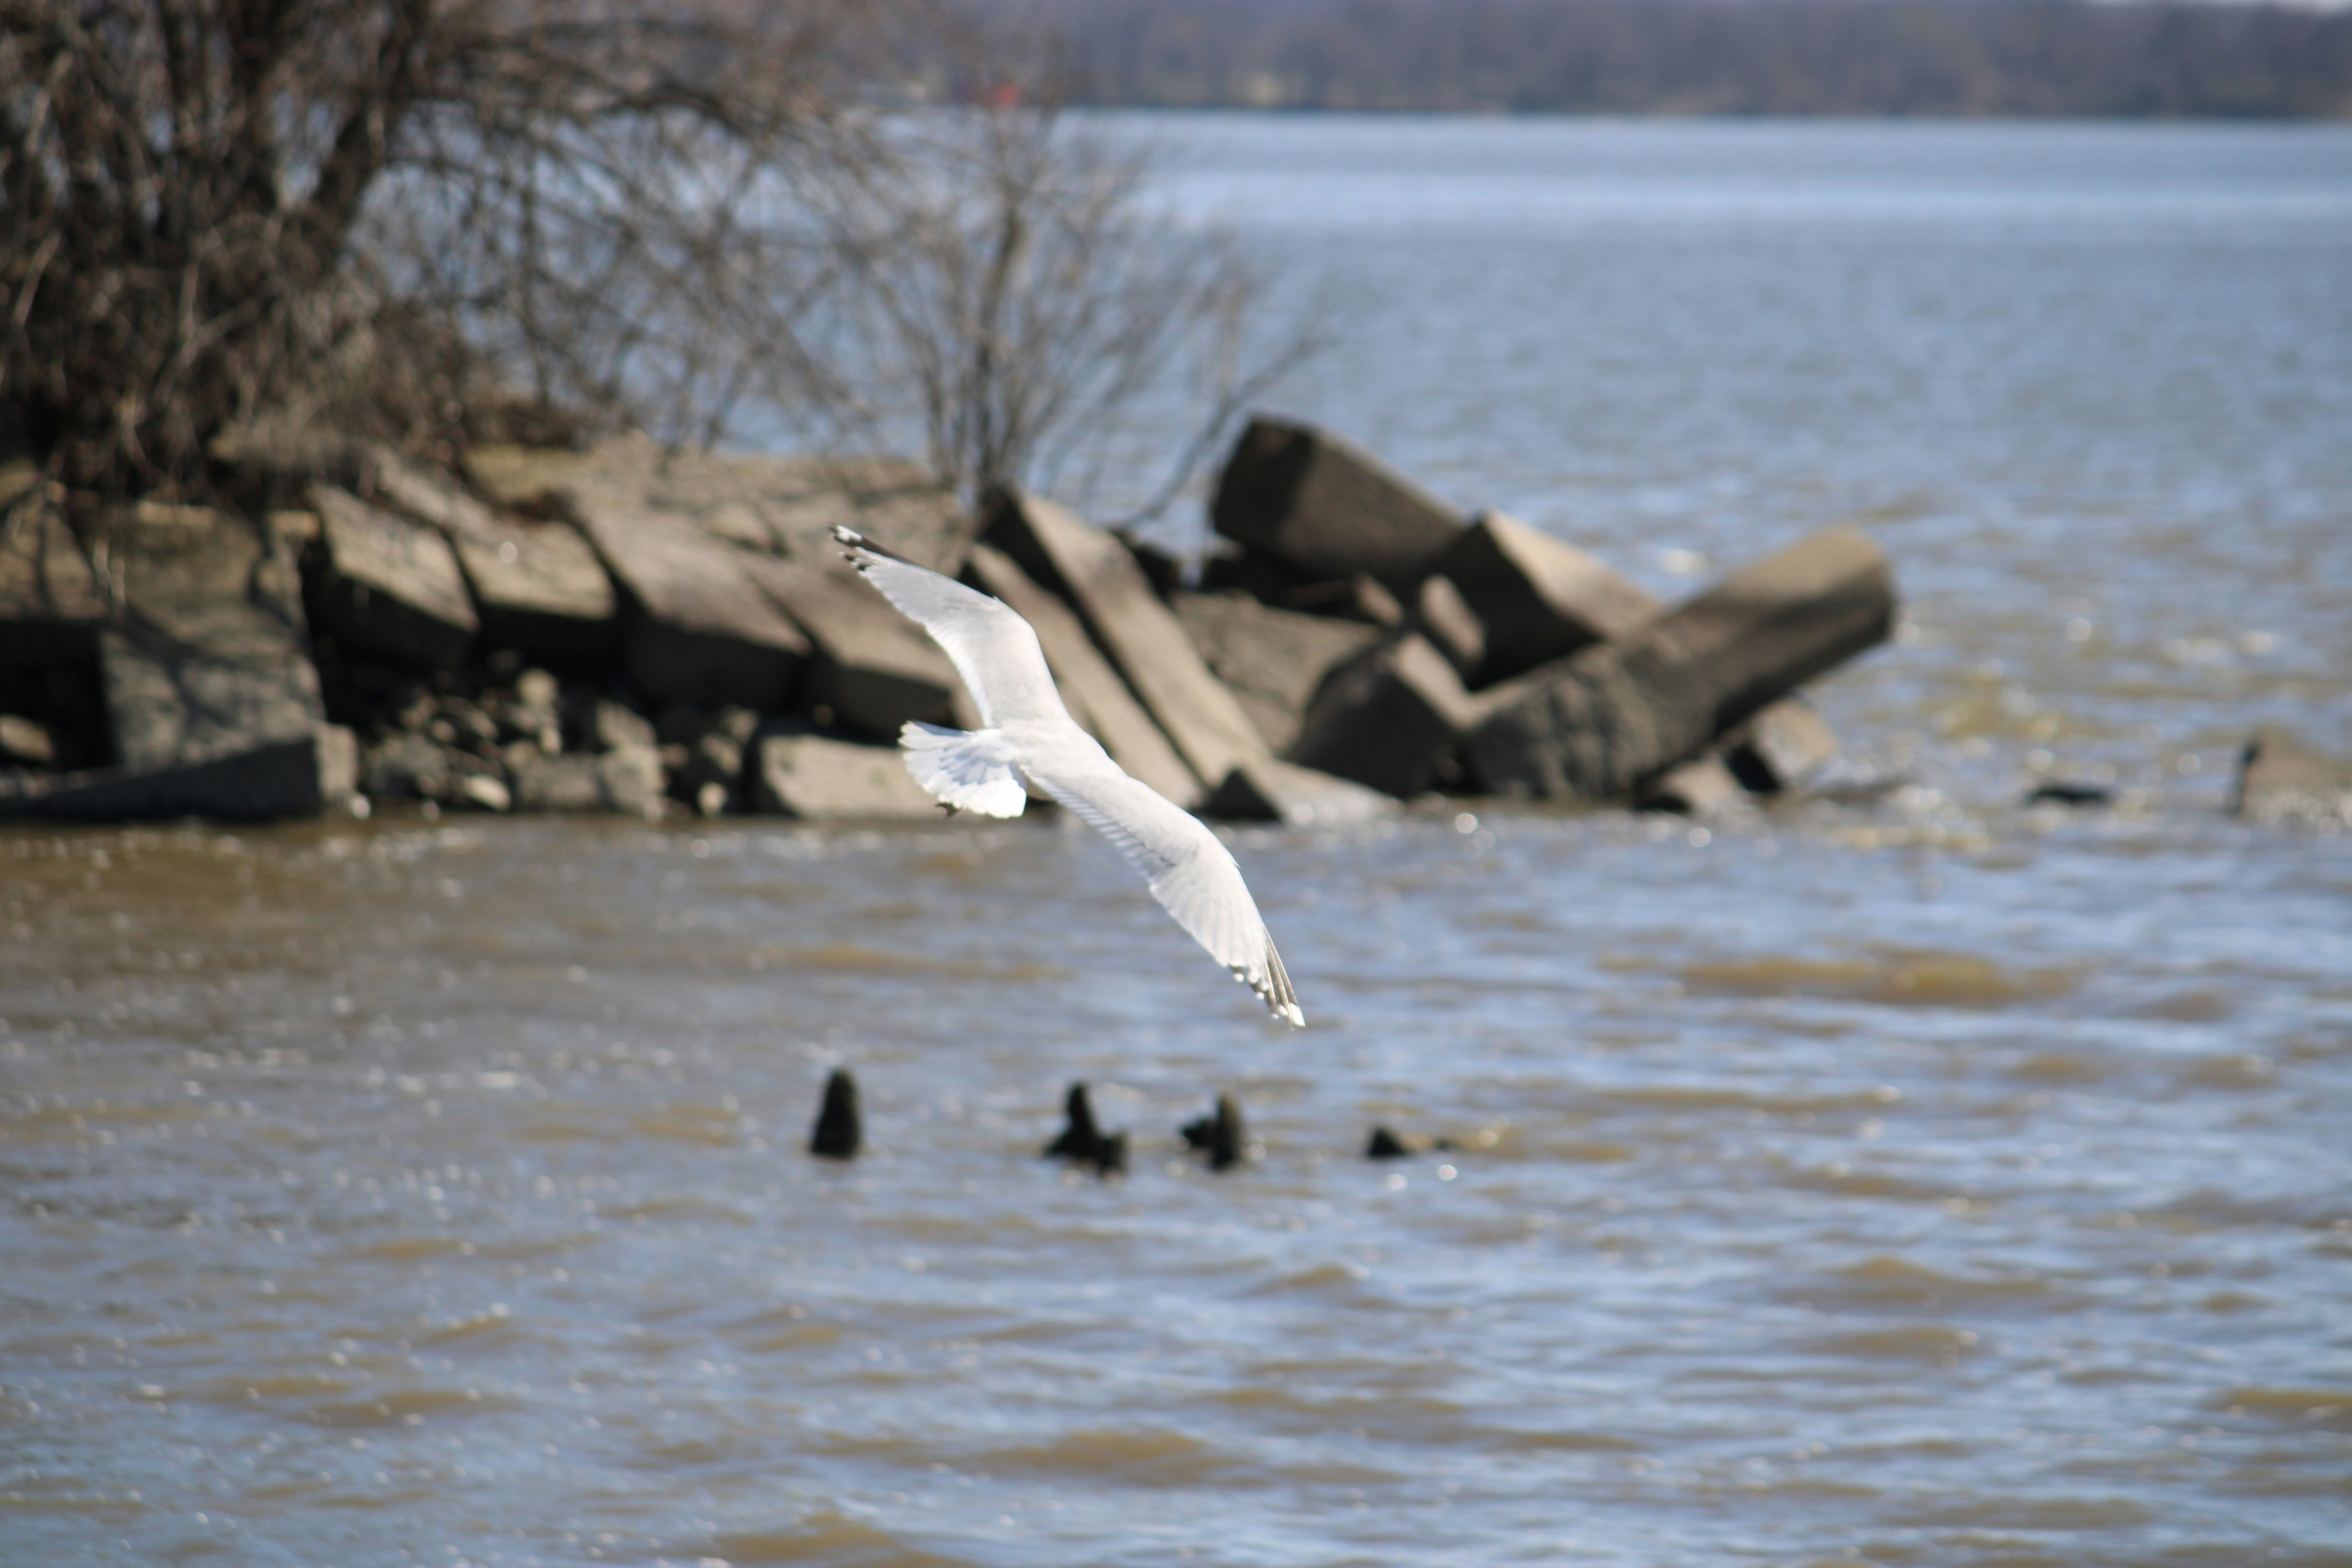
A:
(1928, 1181)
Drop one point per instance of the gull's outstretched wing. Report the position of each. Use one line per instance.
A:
(992, 648)
(1191, 873)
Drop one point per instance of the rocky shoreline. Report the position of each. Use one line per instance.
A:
(632, 631)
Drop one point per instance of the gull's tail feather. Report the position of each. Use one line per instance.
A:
(962, 768)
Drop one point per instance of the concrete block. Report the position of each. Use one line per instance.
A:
(2282, 779)
(296, 777)
(815, 776)
(1271, 661)
(1784, 745)
(537, 587)
(1275, 791)
(1390, 721)
(871, 666)
(380, 584)
(1095, 575)
(1538, 598)
(1326, 507)
(1598, 724)
(209, 660)
(694, 627)
(1453, 629)
(1098, 701)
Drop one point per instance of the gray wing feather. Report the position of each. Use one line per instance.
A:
(992, 648)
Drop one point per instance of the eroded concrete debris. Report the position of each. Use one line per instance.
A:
(1327, 510)
(626, 630)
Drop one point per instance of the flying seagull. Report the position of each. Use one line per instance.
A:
(1030, 742)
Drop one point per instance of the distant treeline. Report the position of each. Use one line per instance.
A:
(1952, 58)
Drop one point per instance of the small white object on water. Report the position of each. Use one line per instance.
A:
(1029, 740)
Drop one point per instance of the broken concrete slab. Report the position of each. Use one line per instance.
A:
(209, 660)
(537, 587)
(1095, 575)
(1098, 701)
(1537, 597)
(383, 587)
(1598, 724)
(1271, 661)
(293, 777)
(818, 777)
(1784, 745)
(1328, 508)
(1392, 719)
(2283, 779)
(1441, 615)
(1271, 790)
(871, 668)
(696, 627)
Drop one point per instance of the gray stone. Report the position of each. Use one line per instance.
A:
(1095, 575)
(1704, 786)
(817, 777)
(695, 628)
(24, 743)
(1599, 723)
(2281, 779)
(536, 586)
(380, 584)
(1271, 661)
(601, 724)
(1329, 510)
(209, 660)
(1390, 721)
(1098, 701)
(627, 782)
(404, 765)
(1537, 597)
(1784, 745)
(1440, 613)
(1271, 790)
(483, 792)
(872, 668)
(293, 777)
(630, 778)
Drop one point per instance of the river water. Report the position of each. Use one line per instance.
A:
(1930, 1179)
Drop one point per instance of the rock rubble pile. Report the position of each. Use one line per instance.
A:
(633, 631)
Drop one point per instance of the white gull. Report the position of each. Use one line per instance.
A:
(1030, 742)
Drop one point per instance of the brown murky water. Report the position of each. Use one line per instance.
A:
(1925, 1181)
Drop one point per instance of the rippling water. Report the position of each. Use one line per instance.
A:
(1934, 1181)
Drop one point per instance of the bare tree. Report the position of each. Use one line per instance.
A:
(1003, 281)
(210, 208)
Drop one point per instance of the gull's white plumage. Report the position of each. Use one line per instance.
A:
(1030, 739)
